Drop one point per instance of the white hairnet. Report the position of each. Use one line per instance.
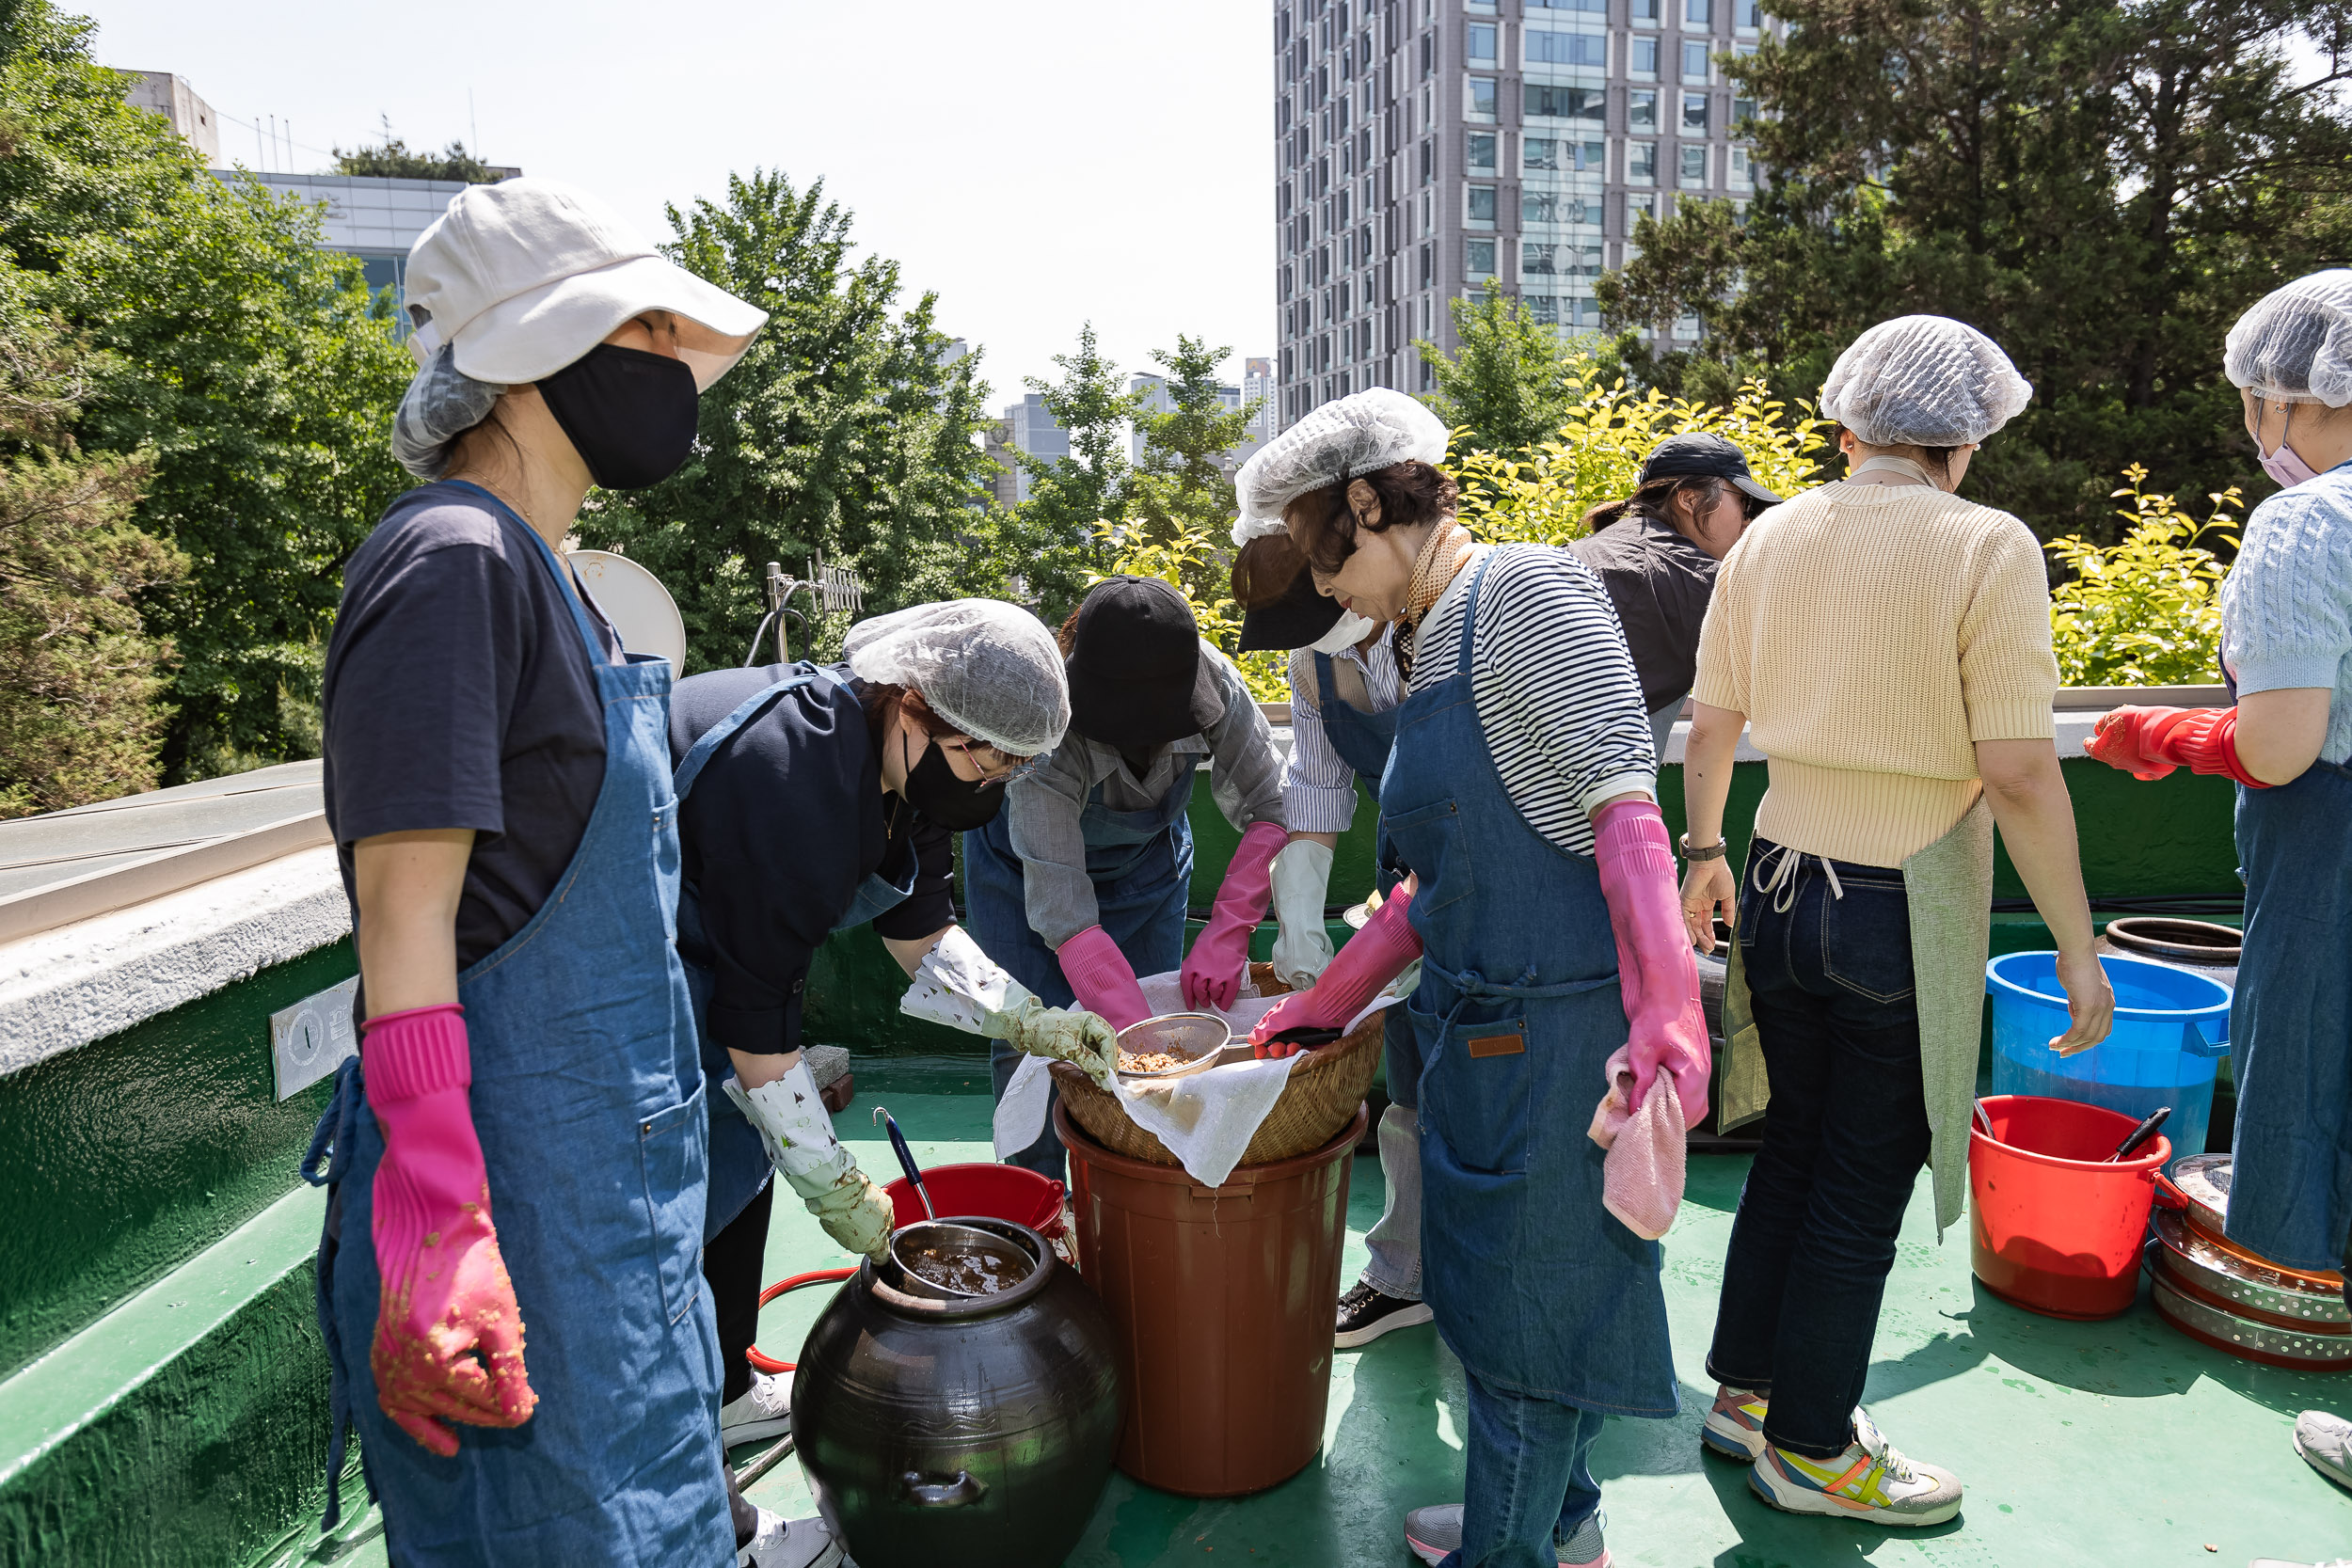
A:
(989, 668)
(443, 403)
(1343, 438)
(1924, 381)
(2296, 343)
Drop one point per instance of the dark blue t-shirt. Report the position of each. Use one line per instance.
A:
(458, 695)
(784, 824)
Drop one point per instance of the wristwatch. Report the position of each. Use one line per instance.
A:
(1714, 851)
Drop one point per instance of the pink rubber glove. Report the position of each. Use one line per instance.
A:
(448, 1338)
(1369, 960)
(1220, 954)
(1101, 979)
(2150, 742)
(1661, 987)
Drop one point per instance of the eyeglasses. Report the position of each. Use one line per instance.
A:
(994, 766)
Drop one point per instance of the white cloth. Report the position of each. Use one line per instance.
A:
(1205, 1118)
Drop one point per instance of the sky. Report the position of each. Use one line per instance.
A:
(1037, 163)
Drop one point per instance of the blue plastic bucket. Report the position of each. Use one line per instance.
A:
(2170, 1027)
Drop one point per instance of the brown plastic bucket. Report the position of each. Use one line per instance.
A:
(1223, 1302)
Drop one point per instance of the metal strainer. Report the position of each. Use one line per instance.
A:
(1196, 1037)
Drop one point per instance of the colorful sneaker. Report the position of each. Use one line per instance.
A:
(2324, 1442)
(1436, 1531)
(763, 1412)
(1869, 1482)
(1365, 1314)
(1735, 1428)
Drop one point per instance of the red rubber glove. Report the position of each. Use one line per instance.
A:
(1661, 987)
(2150, 742)
(1220, 954)
(1101, 979)
(448, 1338)
(1370, 959)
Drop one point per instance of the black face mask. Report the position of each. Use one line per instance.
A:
(630, 414)
(956, 804)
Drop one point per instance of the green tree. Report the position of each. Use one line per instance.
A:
(253, 369)
(1509, 384)
(394, 158)
(1181, 487)
(1058, 540)
(2102, 185)
(844, 429)
(79, 674)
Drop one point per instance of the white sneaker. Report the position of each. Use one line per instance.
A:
(1869, 1482)
(1435, 1532)
(763, 1412)
(2324, 1442)
(791, 1544)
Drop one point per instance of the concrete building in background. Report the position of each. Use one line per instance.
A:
(163, 93)
(1426, 146)
(371, 217)
(1026, 427)
(1155, 399)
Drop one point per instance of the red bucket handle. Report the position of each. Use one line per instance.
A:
(2168, 1195)
(815, 1276)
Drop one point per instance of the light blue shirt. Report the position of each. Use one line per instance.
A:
(2286, 607)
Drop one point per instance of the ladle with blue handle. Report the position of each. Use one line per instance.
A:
(906, 1159)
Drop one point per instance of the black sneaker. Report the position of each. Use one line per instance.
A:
(1365, 1314)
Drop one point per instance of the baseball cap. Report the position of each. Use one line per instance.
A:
(1702, 456)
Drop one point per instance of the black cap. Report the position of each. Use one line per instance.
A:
(1137, 679)
(1702, 456)
(1300, 616)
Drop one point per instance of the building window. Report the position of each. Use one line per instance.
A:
(1482, 152)
(1747, 15)
(1481, 98)
(1694, 62)
(1544, 152)
(1642, 13)
(1695, 167)
(1641, 59)
(1481, 258)
(1743, 173)
(1479, 200)
(1636, 209)
(1695, 113)
(1699, 14)
(1571, 49)
(1641, 109)
(1596, 8)
(1559, 261)
(1482, 41)
(1546, 102)
(1687, 327)
(1555, 207)
(1743, 111)
(1543, 309)
(1641, 162)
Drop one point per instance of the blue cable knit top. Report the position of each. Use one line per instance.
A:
(2286, 607)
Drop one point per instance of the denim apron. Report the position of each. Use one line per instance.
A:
(1534, 1286)
(740, 1166)
(2291, 1022)
(589, 1104)
(1141, 866)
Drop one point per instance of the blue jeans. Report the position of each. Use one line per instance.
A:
(1530, 1479)
(1829, 971)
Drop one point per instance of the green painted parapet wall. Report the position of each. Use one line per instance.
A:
(2170, 838)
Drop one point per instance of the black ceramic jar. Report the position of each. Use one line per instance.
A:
(978, 1431)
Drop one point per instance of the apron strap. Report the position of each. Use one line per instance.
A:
(690, 767)
(1470, 610)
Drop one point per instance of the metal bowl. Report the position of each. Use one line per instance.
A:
(1005, 1258)
(1198, 1037)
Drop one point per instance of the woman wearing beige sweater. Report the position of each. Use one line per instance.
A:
(1889, 645)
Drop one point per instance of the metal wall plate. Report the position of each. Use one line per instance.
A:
(310, 1039)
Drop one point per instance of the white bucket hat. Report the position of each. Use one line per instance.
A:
(522, 278)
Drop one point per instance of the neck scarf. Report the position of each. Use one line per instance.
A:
(1448, 549)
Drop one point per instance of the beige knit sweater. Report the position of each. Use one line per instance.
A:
(1872, 634)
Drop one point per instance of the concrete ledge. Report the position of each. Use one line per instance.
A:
(63, 988)
(187, 1427)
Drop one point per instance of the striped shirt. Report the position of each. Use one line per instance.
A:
(1555, 691)
(1318, 785)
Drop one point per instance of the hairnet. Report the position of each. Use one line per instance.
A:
(443, 403)
(989, 668)
(1924, 381)
(2296, 343)
(1343, 438)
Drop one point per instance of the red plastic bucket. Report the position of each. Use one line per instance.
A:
(2054, 1229)
(990, 1192)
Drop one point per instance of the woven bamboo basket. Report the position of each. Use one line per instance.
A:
(1324, 1090)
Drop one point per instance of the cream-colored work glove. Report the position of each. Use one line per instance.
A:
(1086, 1040)
(1302, 886)
(798, 1130)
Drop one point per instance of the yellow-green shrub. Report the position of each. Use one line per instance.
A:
(1193, 560)
(2145, 610)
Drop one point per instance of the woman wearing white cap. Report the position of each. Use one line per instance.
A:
(518, 1171)
(1520, 795)
(1890, 644)
(2287, 654)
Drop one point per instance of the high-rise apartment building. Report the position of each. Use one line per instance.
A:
(1028, 427)
(1429, 147)
(1153, 387)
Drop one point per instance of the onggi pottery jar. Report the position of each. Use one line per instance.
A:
(976, 1431)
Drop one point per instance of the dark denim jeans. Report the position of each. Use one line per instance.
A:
(1829, 969)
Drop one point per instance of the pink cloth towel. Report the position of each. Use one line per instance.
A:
(1641, 1181)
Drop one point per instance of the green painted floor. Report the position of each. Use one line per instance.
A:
(2112, 1442)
